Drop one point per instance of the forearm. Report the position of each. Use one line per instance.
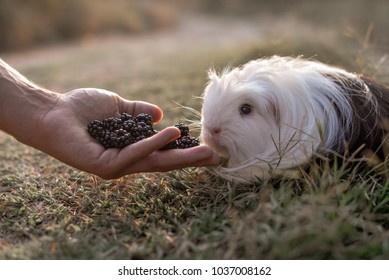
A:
(22, 104)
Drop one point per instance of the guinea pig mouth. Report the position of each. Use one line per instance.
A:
(221, 150)
(215, 141)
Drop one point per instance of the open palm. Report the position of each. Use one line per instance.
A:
(63, 135)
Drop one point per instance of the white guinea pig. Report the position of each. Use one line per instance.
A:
(276, 113)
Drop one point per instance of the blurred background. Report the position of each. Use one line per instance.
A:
(25, 23)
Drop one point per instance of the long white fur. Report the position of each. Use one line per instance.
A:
(294, 115)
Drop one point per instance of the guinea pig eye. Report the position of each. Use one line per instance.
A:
(245, 109)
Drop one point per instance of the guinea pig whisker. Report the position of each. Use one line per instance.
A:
(190, 109)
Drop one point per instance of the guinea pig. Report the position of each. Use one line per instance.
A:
(276, 113)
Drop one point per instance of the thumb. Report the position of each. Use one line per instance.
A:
(136, 107)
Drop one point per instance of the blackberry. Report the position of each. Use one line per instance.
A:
(128, 125)
(184, 129)
(185, 142)
(142, 117)
(125, 117)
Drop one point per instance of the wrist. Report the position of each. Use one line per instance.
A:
(22, 105)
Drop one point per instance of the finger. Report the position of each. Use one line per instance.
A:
(161, 161)
(136, 107)
(214, 160)
(136, 152)
(181, 158)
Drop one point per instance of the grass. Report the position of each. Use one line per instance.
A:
(49, 210)
(61, 213)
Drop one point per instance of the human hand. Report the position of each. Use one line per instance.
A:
(63, 135)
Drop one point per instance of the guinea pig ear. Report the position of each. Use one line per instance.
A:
(275, 111)
(213, 77)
